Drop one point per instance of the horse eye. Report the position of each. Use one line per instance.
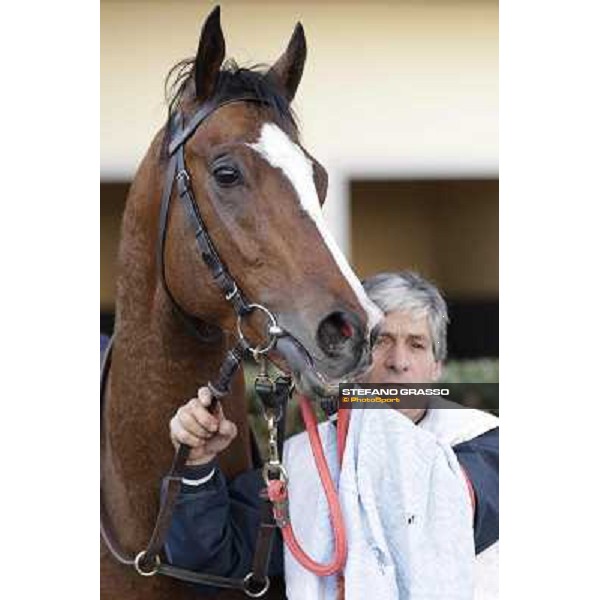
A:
(226, 176)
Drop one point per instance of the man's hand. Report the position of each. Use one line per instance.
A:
(205, 433)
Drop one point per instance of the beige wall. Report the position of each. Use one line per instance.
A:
(446, 230)
(111, 209)
(387, 85)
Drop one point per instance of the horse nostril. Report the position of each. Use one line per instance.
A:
(335, 333)
(347, 330)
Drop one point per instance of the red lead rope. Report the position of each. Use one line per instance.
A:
(277, 490)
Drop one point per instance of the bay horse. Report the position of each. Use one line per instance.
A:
(258, 192)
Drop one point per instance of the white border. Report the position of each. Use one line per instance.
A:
(549, 331)
(50, 289)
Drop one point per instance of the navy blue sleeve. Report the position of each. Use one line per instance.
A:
(215, 525)
(479, 458)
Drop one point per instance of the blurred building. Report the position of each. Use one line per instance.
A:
(399, 101)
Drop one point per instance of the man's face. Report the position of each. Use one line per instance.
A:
(403, 352)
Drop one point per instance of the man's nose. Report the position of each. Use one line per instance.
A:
(398, 359)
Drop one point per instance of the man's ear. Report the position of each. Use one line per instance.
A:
(290, 65)
(210, 55)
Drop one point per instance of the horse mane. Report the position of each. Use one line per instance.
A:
(233, 81)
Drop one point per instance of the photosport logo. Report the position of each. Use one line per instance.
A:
(483, 396)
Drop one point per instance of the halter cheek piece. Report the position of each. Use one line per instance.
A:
(177, 174)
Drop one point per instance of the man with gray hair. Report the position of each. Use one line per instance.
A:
(410, 343)
(409, 347)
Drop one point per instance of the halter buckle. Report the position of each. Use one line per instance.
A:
(183, 180)
(232, 293)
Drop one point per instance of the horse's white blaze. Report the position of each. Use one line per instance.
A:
(282, 153)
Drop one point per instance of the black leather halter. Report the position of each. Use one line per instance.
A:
(176, 173)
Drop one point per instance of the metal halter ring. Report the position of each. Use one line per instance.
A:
(269, 468)
(273, 330)
(138, 568)
(252, 594)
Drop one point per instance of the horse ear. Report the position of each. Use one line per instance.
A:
(288, 68)
(210, 55)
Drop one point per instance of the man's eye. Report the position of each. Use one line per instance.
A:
(226, 176)
(381, 340)
(418, 345)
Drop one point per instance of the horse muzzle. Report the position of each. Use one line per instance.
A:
(308, 378)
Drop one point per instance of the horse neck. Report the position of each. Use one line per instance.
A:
(157, 366)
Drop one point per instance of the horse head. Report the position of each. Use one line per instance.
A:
(259, 193)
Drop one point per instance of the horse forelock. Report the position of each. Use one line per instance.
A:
(233, 82)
